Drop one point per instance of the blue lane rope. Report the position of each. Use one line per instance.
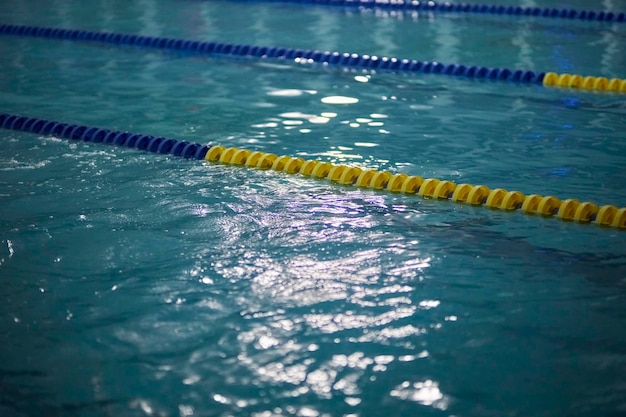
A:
(432, 6)
(93, 134)
(498, 198)
(369, 62)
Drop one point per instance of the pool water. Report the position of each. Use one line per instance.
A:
(138, 284)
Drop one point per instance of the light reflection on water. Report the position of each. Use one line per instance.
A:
(331, 285)
(425, 393)
(297, 120)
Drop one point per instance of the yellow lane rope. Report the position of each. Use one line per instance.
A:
(552, 79)
(497, 198)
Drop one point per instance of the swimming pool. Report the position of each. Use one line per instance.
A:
(140, 284)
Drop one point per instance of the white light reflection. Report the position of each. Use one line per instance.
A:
(264, 125)
(190, 380)
(321, 381)
(279, 372)
(409, 358)
(387, 334)
(319, 120)
(221, 399)
(185, 410)
(339, 100)
(295, 118)
(311, 118)
(353, 401)
(266, 342)
(289, 92)
(332, 323)
(338, 155)
(425, 393)
(375, 124)
(305, 280)
(10, 248)
(292, 122)
(296, 115)
(428, 304)
(349, 384)
(143, 405)
(308, 412)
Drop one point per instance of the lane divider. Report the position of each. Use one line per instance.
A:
(552, 79)
(93, 134)
(368, 62)
(432, 6)
(433, 188)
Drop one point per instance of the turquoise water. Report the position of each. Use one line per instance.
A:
(136, 284)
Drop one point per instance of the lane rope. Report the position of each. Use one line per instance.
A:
(96, 135)
(552, 79)
(368, 62)
(433, 188)
(433, 6)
